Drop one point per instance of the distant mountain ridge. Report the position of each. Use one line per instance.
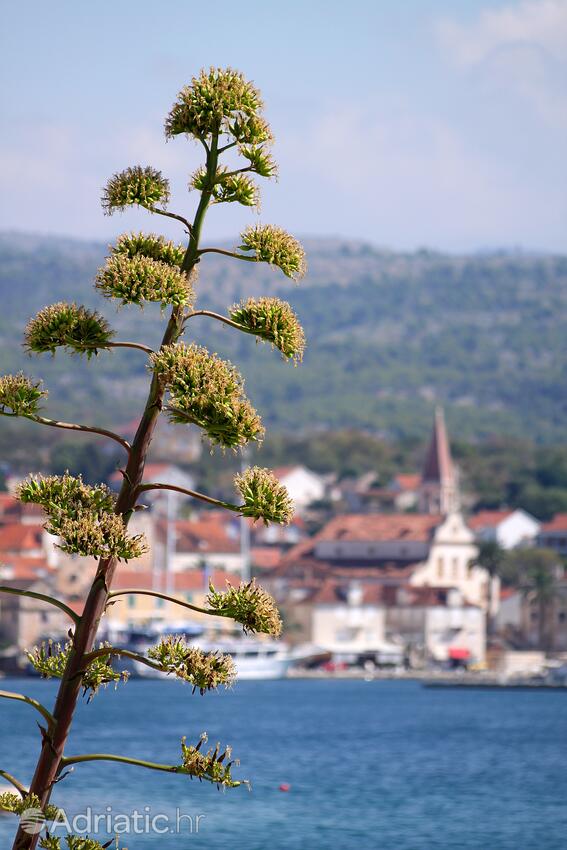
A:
(389, 336)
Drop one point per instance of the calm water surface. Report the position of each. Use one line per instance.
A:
(378, 765)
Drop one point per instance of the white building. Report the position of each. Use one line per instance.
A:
(509, 528)
(303, 485)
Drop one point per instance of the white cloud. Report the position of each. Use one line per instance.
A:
(519, 50)
(541, 24)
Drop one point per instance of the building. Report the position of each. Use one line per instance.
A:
(439, 488)
(510, 529)
(393, 549)
(553, 535)
(357, 620)
(211, 539)
(303, 485)
(25, 621)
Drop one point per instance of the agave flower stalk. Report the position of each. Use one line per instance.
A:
(222, 111)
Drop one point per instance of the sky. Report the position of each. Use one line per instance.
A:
(404, 123)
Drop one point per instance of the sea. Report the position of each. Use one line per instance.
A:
(333, 765)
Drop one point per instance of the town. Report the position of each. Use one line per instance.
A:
(400, 577)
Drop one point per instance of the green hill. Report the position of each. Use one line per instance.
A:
(389, 335)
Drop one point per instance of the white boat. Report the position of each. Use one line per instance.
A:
(253, 658)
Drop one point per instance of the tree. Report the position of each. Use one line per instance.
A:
(536, 571)
(223, 112)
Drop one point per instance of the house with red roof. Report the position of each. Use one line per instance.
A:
(510, 528)
(553, 534)
(362, 620)
(417, 549)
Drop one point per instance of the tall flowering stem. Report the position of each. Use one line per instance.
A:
(223, 112)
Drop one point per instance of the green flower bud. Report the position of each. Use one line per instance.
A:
(236, 188)
(20, 395)
(273, 245)
(210, 766)
(137, 279)
(249, 605)
(227, 187)
(149, 245)
(251, 130)
(208, 392)
(264, 497)
(70, 326)
(74, 842)
(50, 660)
(204, 670)
(137, 186)
(212, 104)
(261, 162)
(10, 802)
(82, 517)
(272, 320)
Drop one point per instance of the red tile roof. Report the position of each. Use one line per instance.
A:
(205, 534)
(265, 557)
(25, 568)
(488, 519)
(558, 523)
(379, 527)
(408, 481)
(15, 537)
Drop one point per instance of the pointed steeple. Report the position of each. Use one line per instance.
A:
(439, 489)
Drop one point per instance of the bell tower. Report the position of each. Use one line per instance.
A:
(439, 490)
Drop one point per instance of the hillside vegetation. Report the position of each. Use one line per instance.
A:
(389, 335)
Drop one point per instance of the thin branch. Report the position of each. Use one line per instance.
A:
(158, 595)
(180, 218)
(227, 147)
(138, 345)
(193, 493)
(123, 653)
(43, 597)
(30, 701)
(237, 171)
(218, 317)
(71, 426)
(13, 781)
(228, 254)
(168, 768)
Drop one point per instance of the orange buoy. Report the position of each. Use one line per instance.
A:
(285, 787)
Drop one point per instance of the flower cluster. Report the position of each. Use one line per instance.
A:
(264, 497)
(82, 517)
(210, 766)
(144, 187)
(249, 605)
(273, 245)
(67, 325)
(261, 161)
(135, 279)
(151, 246)
(74, 842)
(208, 392)
(50, 660)
(272, 320)
(204, 670)
(219, 100)
(10, 802)
(19, 395)
(227, 187)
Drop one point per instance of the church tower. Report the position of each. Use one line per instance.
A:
(439, 491)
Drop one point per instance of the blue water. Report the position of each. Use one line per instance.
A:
(379, 765)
